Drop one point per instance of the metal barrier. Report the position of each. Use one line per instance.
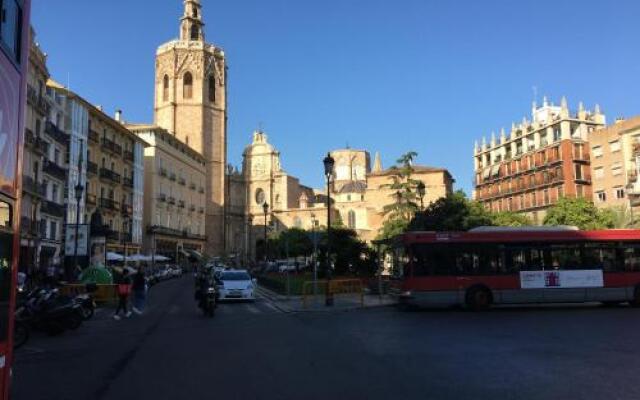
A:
(103, 293)
(336, 287)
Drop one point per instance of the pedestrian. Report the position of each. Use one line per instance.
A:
(139, 291)
(124, 289)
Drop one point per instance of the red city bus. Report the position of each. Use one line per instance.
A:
(14, 50)
(488, 266)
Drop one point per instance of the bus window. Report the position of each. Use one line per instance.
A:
(565, 257)
(6, 241)
(632, 259)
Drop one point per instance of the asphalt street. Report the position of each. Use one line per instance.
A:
(257, 351)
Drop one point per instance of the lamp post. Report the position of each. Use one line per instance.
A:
(422, 190)
(265, 208)
(315, 254)
(78, 189)
(249, 244)
(329, 163)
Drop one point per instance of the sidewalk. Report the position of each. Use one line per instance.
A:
(316, 303)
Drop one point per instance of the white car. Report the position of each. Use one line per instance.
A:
(287, 268)
(235, 285)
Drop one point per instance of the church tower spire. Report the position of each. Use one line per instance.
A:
(191, 25)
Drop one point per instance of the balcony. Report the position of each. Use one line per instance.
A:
(171, 200)
(128, 182)
(201, 190)
(50, 208)
(111, 146)
(94, 136)
(192, 186)
(91, 199)
(109, 175)
(201, 210)
(162, 198)
(192, 208)
(128, 156)
(127, 209)
(92, 168)
(172, 177)
(109, 204)
(56, 133)
(32, 187)
(633, 175)
(37, 102)
(29, 227)
(35, 143)
(163, 172)
(190, 235)
(54, 170)
(182, 181)
(181, 204)
(635, 148)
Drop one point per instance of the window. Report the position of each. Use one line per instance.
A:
(56, 156)
(602, 196)
(352, 219)
(578, 169)
(195, 34)
(54, 193)
(614, 146)
(534, 200)
(546, 196)
(53, 230)
(187, 86)
(598, 173)
(557, 135)
(619, 192)
(11, 28)
(579, 190)
(212, 89)
(597, 151)
(577, 151)
(616, 169)
(560, 192)
(297, 222)
(165, 88)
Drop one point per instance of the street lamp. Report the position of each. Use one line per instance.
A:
(265, 208)
(249, 246)
(422, 190)
(315, 253)
(78, 189)
(329, 163)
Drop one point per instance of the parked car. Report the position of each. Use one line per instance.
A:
(235, 285)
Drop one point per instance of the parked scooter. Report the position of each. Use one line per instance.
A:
(47, 311)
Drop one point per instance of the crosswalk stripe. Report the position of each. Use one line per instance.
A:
(271, 306)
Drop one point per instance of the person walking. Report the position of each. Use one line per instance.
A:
(124, 289)
(139, 291)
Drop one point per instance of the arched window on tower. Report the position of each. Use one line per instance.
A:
(212, 89)
(187, 88)
(195, 33)
(352, 219)
(165, 88)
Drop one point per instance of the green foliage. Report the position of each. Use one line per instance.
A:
(349, 254)
(623, 218)
(581, 213)
(404, 206)
(293, 242)
(452, 213)
(508, 218)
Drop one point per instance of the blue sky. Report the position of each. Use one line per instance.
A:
(389, 76)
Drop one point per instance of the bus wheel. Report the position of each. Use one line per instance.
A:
(478, 298)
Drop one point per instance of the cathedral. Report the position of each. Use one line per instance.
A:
(191, 104)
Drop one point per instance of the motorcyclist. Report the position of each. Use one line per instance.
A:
(204, 281)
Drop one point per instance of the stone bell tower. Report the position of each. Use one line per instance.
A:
(191, 103)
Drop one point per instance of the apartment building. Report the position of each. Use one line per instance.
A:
(615, 163)
(174, 205)
(538, 161)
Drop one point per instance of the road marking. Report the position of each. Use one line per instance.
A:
(271, 306)
(252, 309)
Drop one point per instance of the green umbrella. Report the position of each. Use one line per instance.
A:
(96, 274)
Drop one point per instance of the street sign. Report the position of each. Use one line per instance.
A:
(70, 240)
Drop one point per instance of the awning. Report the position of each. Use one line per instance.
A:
(111, 256)
(195, 254)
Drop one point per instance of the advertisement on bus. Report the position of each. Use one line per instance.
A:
(10, 86)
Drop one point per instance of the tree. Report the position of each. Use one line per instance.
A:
(401, 211)
(350, 255)
(452, 213)
(623, 217)
(293, 242)
(579, 212)
(509, 218)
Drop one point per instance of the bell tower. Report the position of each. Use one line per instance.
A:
(191, 103)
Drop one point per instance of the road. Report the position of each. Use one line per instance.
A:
(256, 351)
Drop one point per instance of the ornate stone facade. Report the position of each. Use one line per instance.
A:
(190, 103)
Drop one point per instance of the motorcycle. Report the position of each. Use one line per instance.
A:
(47, 311)
(208, 300)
